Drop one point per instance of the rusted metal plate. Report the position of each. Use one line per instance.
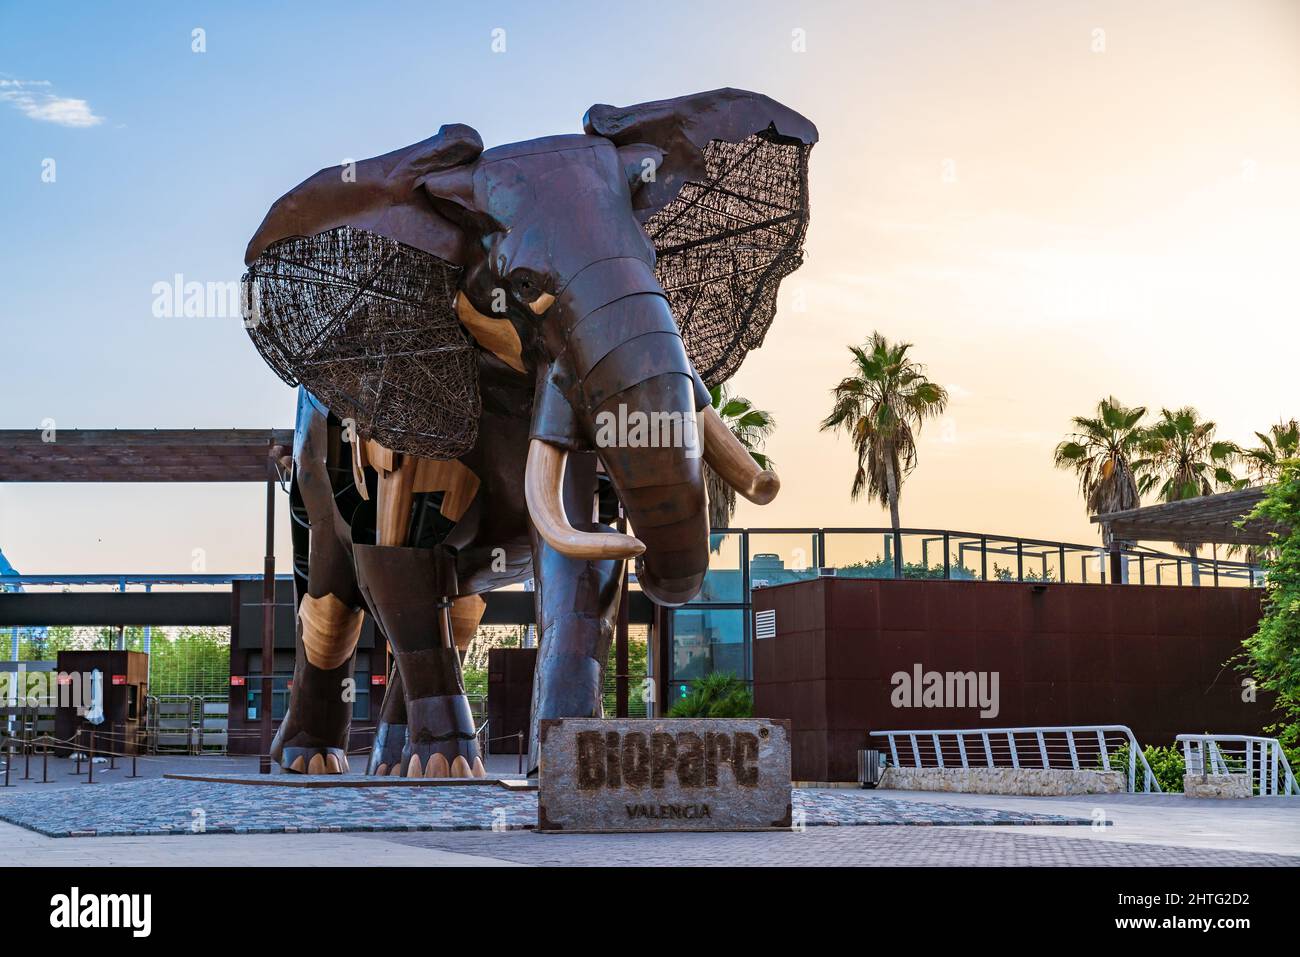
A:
(683, 774)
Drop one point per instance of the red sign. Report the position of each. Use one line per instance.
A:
(237, 681)
(119, 679)
(378, 679)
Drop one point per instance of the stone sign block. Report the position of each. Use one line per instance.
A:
(672, 774)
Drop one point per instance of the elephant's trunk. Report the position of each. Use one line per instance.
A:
(639, 396)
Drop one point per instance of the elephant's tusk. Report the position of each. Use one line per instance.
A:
(732, 461)
(543, 485)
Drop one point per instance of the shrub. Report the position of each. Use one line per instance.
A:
(720, 695)
(1166, 764)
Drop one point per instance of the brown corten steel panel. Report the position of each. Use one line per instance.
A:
(1153, 658)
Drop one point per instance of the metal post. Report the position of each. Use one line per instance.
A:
(984, 558)
(621, 655)
(1020, 560)
(45, 763)
(268, 627)
(947, 559)
(1116, 565)
(90, 761)
(1061, 561)
(9, 761)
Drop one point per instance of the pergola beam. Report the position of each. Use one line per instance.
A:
(1208, 519)
(139, 455)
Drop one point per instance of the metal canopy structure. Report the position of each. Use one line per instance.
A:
(1208, 519)
(140, 455)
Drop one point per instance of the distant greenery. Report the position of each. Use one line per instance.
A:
(638, 651)
(192, 660)
(720, 695)
(1273, 652)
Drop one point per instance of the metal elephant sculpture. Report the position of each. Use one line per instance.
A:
(504, 354)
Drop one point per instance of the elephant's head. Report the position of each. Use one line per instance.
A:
(625, 270)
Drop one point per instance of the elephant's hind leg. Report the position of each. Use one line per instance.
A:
(313, 737)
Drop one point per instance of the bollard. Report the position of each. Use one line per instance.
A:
(9, 762)
(45, 764)
(27, 756)
(112, 753)
(90, 760)
(133, 774)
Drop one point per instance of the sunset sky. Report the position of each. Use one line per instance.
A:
(1054, 201)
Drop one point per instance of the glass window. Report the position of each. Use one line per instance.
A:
(279, 697)
(723, 582)
(706, 640)
(779, 557)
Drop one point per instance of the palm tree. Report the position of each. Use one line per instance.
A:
(1281, 442)
(1100, 451)
(1184, 460)
(752, 427)
(882, 406)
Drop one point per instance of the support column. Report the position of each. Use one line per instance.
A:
(268, 626)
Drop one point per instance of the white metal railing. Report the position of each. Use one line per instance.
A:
(1262, 760)
(1074, 747)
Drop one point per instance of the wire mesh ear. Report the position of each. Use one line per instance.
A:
(727, 212)
(367, 325)
(726, 242)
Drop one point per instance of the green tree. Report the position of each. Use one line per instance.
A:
(1101, 452)
(1183, 459)
(1281, 442)
(752, 427)
(881, 407)
(719, 695)
(1273, 652)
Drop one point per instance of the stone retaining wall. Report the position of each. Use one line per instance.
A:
(1027, 781)
(1217, 785)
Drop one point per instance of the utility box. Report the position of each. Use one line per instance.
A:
(123, 687)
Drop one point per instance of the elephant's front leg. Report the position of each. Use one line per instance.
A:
(577, 607)
(403, 587)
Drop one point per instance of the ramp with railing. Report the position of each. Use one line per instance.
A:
(1261, 760)
(1073, 747)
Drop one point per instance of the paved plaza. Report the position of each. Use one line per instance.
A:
(154, 821)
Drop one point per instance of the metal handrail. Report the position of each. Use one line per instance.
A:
(1042, 749)
(1271, 774)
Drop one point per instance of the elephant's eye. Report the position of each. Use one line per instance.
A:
(526, 284)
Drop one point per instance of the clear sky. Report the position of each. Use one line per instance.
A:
(1053, 200)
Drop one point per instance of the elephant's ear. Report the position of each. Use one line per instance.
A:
(727, 211)
(349, 291)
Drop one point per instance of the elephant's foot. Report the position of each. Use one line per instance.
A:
(440, 741)
(298, 753)
(314, 760)
(386, 752)
(313, 737)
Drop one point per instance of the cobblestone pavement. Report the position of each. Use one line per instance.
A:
(835, 847)
(171, 807)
